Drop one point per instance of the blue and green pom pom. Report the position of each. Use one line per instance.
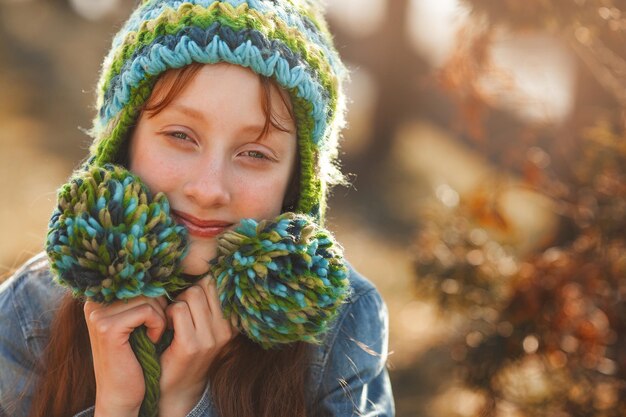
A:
(110, 239)
(280, 281)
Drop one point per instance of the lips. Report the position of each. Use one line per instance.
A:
(200, 228)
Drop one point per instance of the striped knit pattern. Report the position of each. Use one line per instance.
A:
(285, 40)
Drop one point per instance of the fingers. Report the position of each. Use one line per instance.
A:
(198, 306)
(123, 305)
(220, 325)
(200, 332)
(119, 376)
(196, 316)
(190, 316)
(116, 321)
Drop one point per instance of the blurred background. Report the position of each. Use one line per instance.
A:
(487, 153)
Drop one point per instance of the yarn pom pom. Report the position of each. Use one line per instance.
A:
(280, 281)
(109, 239)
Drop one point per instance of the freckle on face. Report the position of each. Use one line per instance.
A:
(226, 97)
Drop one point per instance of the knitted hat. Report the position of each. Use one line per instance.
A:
(286, 40)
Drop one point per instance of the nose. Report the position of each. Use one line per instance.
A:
(207, 183)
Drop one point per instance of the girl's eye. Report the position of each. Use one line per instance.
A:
(255, 154)
(180, 135)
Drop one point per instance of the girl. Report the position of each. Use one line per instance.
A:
(233, 110)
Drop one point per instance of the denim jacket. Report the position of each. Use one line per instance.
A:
(348, 376)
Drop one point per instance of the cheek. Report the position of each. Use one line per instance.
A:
(261, 198)
(156, 171)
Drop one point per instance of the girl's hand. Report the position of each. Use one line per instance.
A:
(200, 332)
(120, 383)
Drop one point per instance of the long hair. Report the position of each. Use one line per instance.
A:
(67, 384)
(246, 380)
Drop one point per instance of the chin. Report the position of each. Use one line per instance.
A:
(198, 257)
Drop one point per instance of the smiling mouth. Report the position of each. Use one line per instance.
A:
(201, 228)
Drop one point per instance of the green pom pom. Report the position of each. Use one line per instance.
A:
(109, 239)
(280, 281)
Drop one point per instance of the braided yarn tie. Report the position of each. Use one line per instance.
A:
(280, 281)
(146, 353)
(109, 240)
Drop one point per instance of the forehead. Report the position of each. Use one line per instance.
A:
(224, 83)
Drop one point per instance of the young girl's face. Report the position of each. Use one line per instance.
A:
(204, 151)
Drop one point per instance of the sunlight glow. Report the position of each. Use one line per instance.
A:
(94, 9)
(359, 17)
(432, 27)
(537, 77)
(362, 95)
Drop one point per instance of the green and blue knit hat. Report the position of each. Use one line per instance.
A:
(286, 40)
(279, 280)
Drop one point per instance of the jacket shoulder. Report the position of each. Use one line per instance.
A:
(348, 371)
(32, 296)
(28, 303)
(359, 285)
(362, 316)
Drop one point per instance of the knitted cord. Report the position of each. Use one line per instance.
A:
(148, 357)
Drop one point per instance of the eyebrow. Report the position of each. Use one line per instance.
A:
(195, 114)
(188, 111)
